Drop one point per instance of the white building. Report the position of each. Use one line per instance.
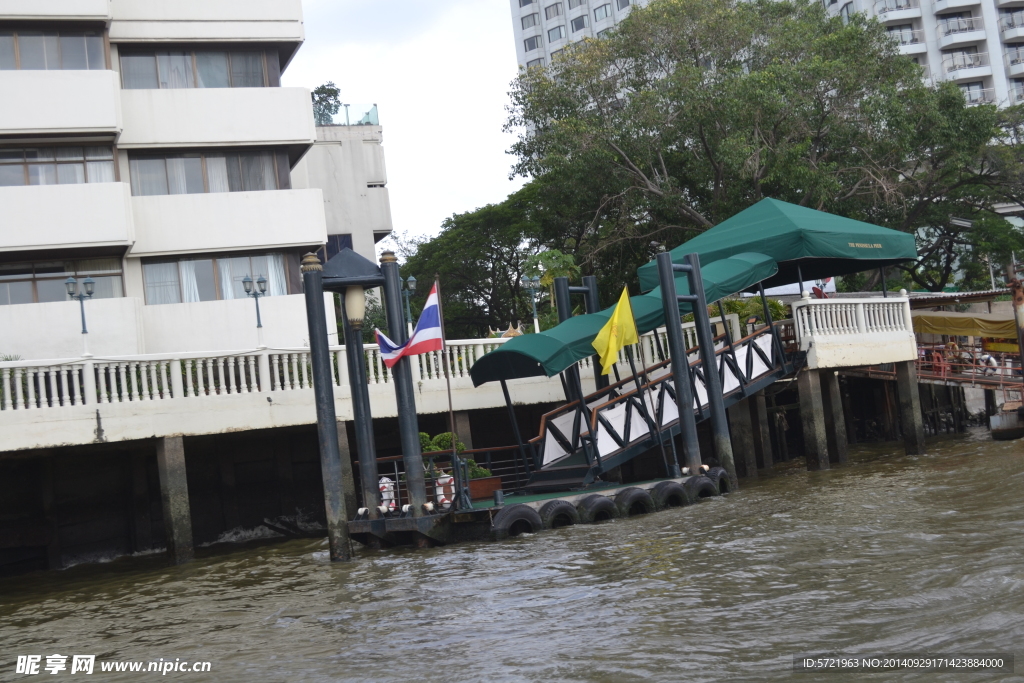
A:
(542, 28)
(977, 44)
(149, 146)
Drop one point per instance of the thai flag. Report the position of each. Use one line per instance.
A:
(426, 337)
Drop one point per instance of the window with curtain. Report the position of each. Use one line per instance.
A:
(188, 280)
(209, 68)
(201, 172)
(56, 165)
(52, 50)
(43, 281)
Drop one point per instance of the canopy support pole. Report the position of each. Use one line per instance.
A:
(564, 305)
(728, 340)
(716, 402)
(776, 342)
(885, 285)
(514, 420)
(593, 305)
(800, 277)
(680, 366)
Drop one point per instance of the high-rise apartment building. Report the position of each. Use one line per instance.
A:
(543, 28)
(150, 147)
(977, 44)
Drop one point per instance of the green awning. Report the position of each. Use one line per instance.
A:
(552, 351)
(822, 244)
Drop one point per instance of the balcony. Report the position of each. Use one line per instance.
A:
(910, 42)
(839, 333)
(1012, 25)
(60, 102)
(961, 66)
(65, 216)
(892, 11)
(226, 221)
(198, 117)
(1016, 94)
(948, 5)
(56, 10)
(1014, 60)
(980, 96)
(960, 31)
(201, 20)
(1009, 3)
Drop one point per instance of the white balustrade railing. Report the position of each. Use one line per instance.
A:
(830, 318)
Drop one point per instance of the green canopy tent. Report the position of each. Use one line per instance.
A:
(552, 351)
(820, 244)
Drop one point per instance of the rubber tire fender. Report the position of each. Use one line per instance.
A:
(720, 478)
(700, 487)
(597, 508)
(558, 513)
(669, 494)
(513, 520)
(634, 501)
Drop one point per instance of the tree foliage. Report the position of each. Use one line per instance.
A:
(326, 103)
(693, 110)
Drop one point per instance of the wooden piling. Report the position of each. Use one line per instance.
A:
(910, 408)
(741, 429)
(170, 460)
(812, 419)
(835, 420)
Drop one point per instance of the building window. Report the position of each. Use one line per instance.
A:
(56, 165)
(524, 3)
(964, 58)
(1017, 90)
(556, 54)
(845, 12)
(532, 43)
(200, 172)
(531, 20)
(576, 3)
(192, 279)
(905, 34)
(958, 23)
(622, 4)
(557, 33)
(553, 11)
(200, 69)
(602, 34)
(535, 62)
(976, 93)
(602, 12)
(52, 50)
(579, 23)
(43, 282)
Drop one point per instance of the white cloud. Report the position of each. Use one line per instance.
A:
(439, 73)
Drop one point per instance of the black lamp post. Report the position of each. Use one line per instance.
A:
(532, 284)
(88, 287)
(260, 290)
(410, 289)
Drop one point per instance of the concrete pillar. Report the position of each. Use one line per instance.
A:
(170, 462)
(910, 408)
(762, 432)
(835, 419)
(812, 418)
(463, 429)
(348, 482)
(741, 429)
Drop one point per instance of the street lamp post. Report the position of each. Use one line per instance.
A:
(88, 286)
(408, 292)
(261, 290)
(533, 284)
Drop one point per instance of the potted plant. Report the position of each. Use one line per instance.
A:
(482, 484)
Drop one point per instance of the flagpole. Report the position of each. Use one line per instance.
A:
(460, 492)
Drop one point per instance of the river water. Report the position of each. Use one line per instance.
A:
(889, 554)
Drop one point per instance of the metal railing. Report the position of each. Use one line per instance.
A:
(1011, 20)
(948, 27)
(1013, 55)
(957, 61)
(885, 6)
(980, 96)
(908, 37)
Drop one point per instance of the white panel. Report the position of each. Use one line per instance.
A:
(373, 162)
(194, 20)
(59, 102)
(39, 216)
(54, 330)
(80, 10)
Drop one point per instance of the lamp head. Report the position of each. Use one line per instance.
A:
(525, 281)
(355, 306)
(411, 282)
(247, 284)
(71, 284)
(535, 280)
(261, 283)
(90, 286)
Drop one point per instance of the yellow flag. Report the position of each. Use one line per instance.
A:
(619, 331)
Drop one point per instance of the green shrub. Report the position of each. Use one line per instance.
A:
(425, 444)
(477, 472)
(443, 442)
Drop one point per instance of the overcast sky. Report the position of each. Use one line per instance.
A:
(439, 73)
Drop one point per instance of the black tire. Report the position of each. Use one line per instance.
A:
(634, 501)
(720, 478)
(597, 508)
(669, 494)
(558, 513)
(514, 520)
(699, 488)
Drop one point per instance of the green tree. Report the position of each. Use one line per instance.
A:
(326, 103)
(693, 110)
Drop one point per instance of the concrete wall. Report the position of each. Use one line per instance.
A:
(191, 117)
(60, 101)
(221, 20)
(226, 325)
(191, 223)
(53, 330)
(69, 10)
(343, 162)
(39, 216)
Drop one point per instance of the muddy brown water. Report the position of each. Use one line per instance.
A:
(889, 554)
